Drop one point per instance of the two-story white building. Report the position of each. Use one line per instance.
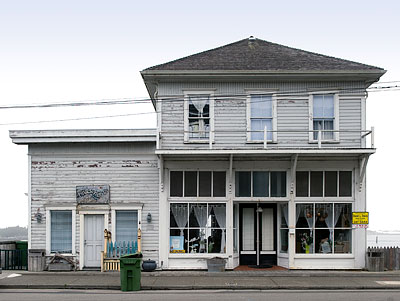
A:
(259, 157)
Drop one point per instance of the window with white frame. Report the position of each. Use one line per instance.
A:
(261, 112)
(323, 228)
(260, 184)
(197, 228)
(126, 225)
(61, 231)
(197, 184)
(284, 228)
(324, 119)
(324, 183)
(198, 116)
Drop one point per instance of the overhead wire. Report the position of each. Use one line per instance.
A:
(164, 99)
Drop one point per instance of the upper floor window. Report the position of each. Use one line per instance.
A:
(324, 117)
(261, 113)
(198, 116)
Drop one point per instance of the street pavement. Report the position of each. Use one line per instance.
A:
(200, 280)
(199, 295)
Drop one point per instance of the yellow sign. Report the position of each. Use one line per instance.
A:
(177, 251)
(360, 218)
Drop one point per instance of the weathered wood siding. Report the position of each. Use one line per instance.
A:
(230, 113)
(129, 168)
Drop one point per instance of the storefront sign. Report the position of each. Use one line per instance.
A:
(93, 194)
(360, 218)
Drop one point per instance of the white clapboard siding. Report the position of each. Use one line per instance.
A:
(130, 169)
(230, 113)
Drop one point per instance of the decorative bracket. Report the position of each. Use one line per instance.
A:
(363, 169)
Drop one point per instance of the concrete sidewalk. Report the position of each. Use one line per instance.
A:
(188, 280)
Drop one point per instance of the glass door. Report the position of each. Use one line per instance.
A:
(257, 234)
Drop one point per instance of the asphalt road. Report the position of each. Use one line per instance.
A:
(292, 295)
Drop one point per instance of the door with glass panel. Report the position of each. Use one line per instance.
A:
(257, 234)
(93, 239)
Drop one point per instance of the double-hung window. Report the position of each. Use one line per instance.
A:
(198, 116)
(61, 231)
(324, 119)
(261, 112)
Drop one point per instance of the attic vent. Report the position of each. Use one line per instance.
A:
(251, 38)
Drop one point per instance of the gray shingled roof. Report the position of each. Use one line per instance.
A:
(256, 54)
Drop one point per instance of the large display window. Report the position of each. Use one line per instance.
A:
(197, 228)
(323, 228)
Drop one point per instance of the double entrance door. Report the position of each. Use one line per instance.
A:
(257, 234)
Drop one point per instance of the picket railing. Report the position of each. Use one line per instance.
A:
(114, 250)
(391, 256)
(14, 259)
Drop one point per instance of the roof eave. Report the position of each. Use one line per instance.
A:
(24, 137)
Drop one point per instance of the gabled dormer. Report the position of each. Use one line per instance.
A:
(254, 94)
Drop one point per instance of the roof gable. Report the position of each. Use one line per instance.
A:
(255, 54)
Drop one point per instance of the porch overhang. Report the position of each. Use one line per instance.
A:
(267, 152)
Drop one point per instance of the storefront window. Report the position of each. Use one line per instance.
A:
(323, 228)
(197, 228)
(284, 228)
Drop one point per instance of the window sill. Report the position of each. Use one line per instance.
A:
(324, 141)
(198, 142)
(261, 142)
(323, 256)
(196, 256)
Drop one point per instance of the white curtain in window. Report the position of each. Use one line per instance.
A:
(338, 210)
(220, 215)
(200, 212)
(180, 213)
(199, 103)
(284, 211)
(309, 219)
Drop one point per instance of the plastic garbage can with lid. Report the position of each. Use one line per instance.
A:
(130, 273)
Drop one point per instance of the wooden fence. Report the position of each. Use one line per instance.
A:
(391, 256)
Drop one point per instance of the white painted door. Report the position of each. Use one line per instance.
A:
(93, 239)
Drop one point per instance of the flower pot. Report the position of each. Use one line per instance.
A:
(149, 265)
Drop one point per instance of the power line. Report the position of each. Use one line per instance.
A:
(178, 98)
(75, 119)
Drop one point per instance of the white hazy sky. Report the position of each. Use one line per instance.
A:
(62, 51)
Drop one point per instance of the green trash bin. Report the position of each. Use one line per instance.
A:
(130, 273)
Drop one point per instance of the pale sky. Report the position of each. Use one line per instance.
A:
(64, 51)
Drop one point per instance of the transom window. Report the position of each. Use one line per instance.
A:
(197, 228)
(197, 183)
(323, 228)
(260, 184)
(324, 183)
(261, 116)
(324, 116)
